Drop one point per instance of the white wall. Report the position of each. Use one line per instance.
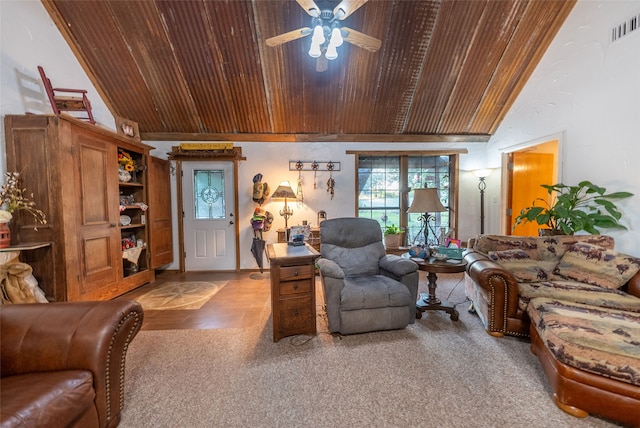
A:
(272, 161)
(589, 89)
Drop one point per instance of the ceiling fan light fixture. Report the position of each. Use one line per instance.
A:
(318, 35)
(326, 32)
(336, 37)
(332, 52)
(314, 51)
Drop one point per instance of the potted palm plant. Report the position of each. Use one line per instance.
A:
(393, 236)
(574, 208)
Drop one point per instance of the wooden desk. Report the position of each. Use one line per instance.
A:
(293, 289)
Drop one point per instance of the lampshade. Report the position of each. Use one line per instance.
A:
(481, 173)
(426, 201)
(284, 190)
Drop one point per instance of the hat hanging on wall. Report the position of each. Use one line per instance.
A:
(260, 190)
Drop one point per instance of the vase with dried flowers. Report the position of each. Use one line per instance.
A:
(14, 198)
(126, 166)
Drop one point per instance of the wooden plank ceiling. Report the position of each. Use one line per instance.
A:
(447, 70)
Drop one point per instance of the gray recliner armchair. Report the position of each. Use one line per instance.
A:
(365, 289)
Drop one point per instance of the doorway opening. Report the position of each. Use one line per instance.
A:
(527, 166)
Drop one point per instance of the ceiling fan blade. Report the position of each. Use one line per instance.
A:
(361, 40)
(346, 8)
(287, 37)
(322, 63)
(310, 7)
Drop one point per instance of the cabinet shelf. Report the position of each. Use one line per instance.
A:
(132, 226)
(130, 184)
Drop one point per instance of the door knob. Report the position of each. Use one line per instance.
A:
(231, 222)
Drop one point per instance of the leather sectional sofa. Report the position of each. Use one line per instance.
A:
(63, 363)
(579, 300)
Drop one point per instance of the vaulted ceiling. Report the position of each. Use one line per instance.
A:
(447, 70)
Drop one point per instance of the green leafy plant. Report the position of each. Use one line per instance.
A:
(392, 230)
(575, 208)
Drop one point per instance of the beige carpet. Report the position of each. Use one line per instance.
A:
(180, 295)
(435, 373)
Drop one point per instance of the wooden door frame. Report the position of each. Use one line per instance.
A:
(505, 184)
(178, 155)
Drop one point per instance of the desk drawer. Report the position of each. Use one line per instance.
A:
(294, 273)
(295, 287)
(297, 316)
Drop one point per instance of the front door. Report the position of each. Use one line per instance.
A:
(209, 220)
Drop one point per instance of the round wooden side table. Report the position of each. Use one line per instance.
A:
(429, 301)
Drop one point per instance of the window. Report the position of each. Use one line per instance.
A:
(385, 184)
(208, 189)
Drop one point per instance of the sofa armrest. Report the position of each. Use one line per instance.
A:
(633, 286)
(405, 271)
(332, 278)
(91, 336)
(397, 265)
(499, 283)
(329, 268)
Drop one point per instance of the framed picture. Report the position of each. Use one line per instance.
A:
(127, 127)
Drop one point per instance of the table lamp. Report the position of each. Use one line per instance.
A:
(426, 201)
(285, 191)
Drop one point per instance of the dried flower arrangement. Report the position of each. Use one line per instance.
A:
(12, 199)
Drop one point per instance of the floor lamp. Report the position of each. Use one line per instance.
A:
(482, 185)
(426, 201)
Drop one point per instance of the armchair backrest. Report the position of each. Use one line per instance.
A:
(355, 244)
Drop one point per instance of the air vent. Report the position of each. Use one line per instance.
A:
(625, 28)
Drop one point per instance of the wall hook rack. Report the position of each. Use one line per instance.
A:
(300, 165)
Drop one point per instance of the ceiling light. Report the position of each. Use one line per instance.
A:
(331, 53)
(318, 35)
(336, 37)
(327, 36)
(314, 51)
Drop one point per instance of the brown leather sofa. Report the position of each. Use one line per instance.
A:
(63, 363)
(494, 290)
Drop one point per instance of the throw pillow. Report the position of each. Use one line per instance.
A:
(524, 265)
(554, 247)
(595, 265)
(486, 243)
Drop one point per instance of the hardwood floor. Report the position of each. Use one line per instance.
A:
(238, 304)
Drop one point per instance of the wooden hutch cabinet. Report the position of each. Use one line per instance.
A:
(92, 217)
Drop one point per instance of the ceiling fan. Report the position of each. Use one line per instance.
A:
(327, 32)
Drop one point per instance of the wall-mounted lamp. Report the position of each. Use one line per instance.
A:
(285, 191)
(482, 185)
